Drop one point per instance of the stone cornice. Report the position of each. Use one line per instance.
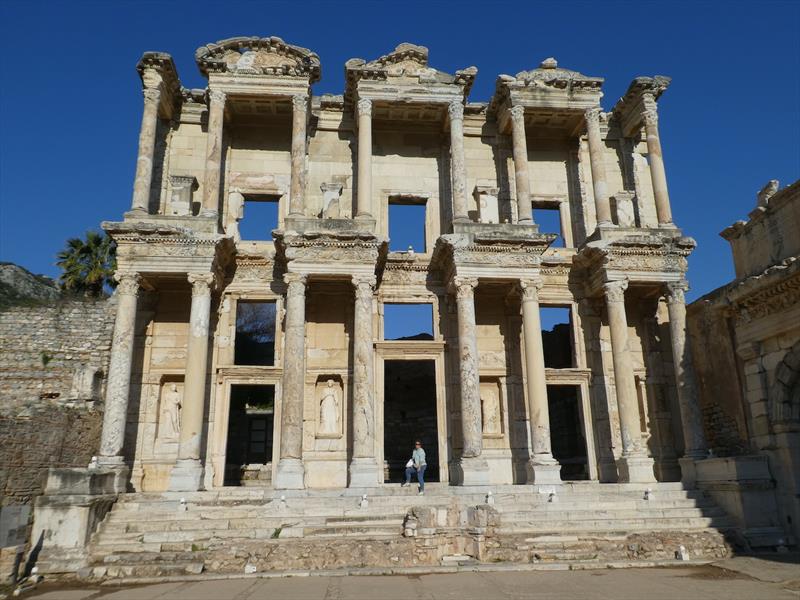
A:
(775, 289)
(790, 193)
(641, 96)
(157, 70)
(258, 56)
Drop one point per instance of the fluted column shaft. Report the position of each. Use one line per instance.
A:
(624, 380)
(596, 150)
(656, 159)
(216, 115)
(147, 146)
(364, 469)
(520, 151)
(290, 472)
(194, 389)
(471, 422)
(694, 438)
(364, 192)
(457, 162)
(119, 371)
(298, 181)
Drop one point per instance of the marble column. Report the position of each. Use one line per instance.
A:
(596, 150)
(118, 386)
(657, 174)
(521, 177)
(298, 182)
(364, 471)
(216, 116)
(694, 438)
(364, 191)
(147, 147)
(474, 468)
(290, 472)
(634, 465)
(542, 467)
(187, 474)
(457, 162)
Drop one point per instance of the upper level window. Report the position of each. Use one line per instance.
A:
(407, 224)
(260, 217)
(548, 217)
(407, 322)
(557, 336)
(255, 333)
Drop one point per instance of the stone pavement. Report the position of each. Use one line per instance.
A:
(697, 583)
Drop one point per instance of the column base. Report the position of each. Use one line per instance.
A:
(635, 469)
(209, 213)
(290, 475)
(473, 471)
(364, 472)
(186, 476)
(688, 471)
(544, 471)
(115, 464)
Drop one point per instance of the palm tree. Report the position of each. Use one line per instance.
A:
(88, 265)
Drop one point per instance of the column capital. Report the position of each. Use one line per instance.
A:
(615, 290)
(293, 279)
(455, 110)
(201, 283)
(364, 107)
(529, 289)
(650, 116)
(464, 287)
(152, 94)
(516, 113)
(300, 102)
(128, 283)
(676, 292)
(592, 116)
(216, 97)
(364, 284)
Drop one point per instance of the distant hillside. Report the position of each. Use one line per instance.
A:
(18, 286)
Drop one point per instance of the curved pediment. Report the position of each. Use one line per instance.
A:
(258, 56)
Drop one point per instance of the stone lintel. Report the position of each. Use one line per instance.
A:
(331, 253)
(233, 84)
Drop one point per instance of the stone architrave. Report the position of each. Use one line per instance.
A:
(290, 473)
(187, 475)
(694, 439)
(543, 468)
(216, 114)
(298, 177)
(475, 470)
(364, 191)
(457, 163)
(147, 146)
(364, 471)
(656, 159)
(634, 466)
(596, 150)
(119, 372)
(521, 177)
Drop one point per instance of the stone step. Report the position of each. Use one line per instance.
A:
(557, 513)
(588, 526)
(154, 569)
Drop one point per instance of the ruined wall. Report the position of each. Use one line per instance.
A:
(52, 371)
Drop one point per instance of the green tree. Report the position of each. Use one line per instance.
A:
(88, 265)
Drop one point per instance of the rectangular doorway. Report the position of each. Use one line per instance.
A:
(409, 414)
(251, 423)
(566, 431)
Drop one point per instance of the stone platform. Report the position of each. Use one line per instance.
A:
(238, 530)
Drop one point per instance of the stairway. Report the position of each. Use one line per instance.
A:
(241, 530)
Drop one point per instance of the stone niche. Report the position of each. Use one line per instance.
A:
(170, 405)
(329, 395)
(492, 407)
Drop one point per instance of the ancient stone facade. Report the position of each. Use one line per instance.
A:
(746, 338)
(318, 282)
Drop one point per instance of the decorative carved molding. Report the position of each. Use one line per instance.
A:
(296, 282)
(529, 289)
(456, 111)
(216, 97)
(465, 287)
(201, 283)
(364, 285)
(300, 103)
(676, 292)
(152, 95)
(615, 290)
(650, 117)
(364, 107)
(128, 283)
(592, 116)
(517, 114)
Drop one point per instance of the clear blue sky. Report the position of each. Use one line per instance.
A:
(71, 104)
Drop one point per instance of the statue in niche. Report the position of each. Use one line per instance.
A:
(490, 406)
(329, 409)
(171, 413)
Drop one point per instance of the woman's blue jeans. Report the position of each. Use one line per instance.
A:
(420, 476)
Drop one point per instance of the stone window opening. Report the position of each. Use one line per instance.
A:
(254, 343)
(548, 216)
(260, 215)
(407, 216)
(557, 337)
(407, 321)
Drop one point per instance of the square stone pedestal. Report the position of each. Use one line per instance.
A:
(635, 469)
(544, 472)
(290, 475)
(364, 472)
(473, 471)
(186, 476)
(688, 472)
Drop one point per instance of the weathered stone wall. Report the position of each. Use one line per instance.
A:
(52, 371)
